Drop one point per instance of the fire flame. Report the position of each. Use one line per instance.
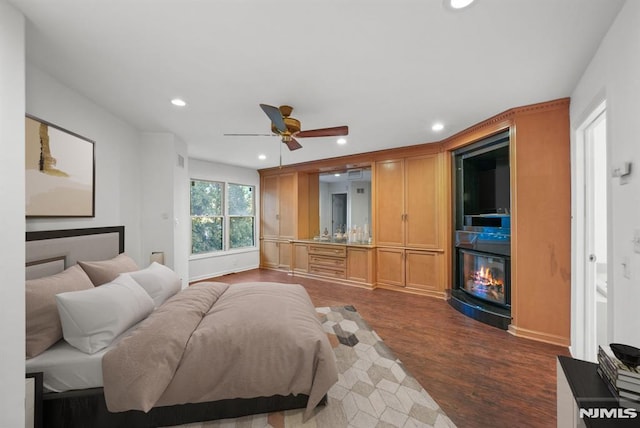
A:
(484, 277)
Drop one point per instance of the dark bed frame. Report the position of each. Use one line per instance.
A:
(87, 408)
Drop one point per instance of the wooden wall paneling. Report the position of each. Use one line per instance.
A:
(284, 254)
(541, 252)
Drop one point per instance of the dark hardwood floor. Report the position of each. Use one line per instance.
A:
(481, 376)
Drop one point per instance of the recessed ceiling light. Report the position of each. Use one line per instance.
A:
(457, 4)
(437, 127)
(336, 175)
(262, 157)
(342, 141)
(178, 102)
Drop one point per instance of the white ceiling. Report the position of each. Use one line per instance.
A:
(388, 69)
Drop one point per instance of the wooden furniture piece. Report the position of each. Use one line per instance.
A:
(328, 260)
(540, 171)
(412, 220)
(580, 387)
(409, 211)
(347, 263)
(286, 200)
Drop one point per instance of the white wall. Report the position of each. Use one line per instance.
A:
(12, 102)
(117, 157)
(216, 264)
(614, 75)
(164, 186)
(181, 212)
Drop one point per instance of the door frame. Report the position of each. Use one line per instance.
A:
(583, 303)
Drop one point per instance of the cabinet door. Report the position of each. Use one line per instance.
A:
(423, 270)
(422, 201)
(270, 206)
(360, 265)
(389, 178)
(287, 206)
(300, 257)
(390, 266)
(269, 254)
(284, 253)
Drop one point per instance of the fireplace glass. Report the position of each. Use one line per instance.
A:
(484, 276)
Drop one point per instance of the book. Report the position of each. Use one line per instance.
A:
(630, 386)
(621, 368)
(608, 361)
(623, 400)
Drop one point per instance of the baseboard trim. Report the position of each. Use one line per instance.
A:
(539, 336)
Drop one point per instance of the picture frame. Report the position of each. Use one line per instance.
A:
(59, 171)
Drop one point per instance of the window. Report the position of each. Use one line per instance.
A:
(241, 216)
(219, 217)
(206, 216)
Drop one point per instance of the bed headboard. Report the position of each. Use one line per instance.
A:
(51, 251)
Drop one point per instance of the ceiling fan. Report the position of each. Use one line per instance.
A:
(288, 127)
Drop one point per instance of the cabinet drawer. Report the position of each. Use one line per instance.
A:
(328, 250)
(327, 261)
(333, 272)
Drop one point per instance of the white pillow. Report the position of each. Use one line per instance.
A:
(92, 318)
(157, 280)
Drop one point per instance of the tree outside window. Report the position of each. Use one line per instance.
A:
(241, 216)
(208, 216)
(207, 231)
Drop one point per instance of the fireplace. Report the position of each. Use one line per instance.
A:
(482, 248)
(485, 276)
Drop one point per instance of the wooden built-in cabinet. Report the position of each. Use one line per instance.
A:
(409, 202)
(275, 254)
(360, 265)
(409, 224)
(344, 263)
(286, 200)
(412, 224)
(328, 260)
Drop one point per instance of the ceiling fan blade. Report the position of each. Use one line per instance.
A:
(324, 132)
(275, 116)
(292, 144)
(248, 135)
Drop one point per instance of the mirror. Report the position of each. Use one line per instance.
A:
(345, 205)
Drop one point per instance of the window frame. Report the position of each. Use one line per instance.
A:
(226, 220)
(229, 216)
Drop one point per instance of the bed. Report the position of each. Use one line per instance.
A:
(168, 356)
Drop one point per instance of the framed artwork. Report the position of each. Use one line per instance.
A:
(59, 171)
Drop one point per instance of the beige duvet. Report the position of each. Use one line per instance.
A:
(213, 341)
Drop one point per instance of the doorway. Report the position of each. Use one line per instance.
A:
(338, 212)
(591, 255)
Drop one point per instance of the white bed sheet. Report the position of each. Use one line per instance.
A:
(66, 368)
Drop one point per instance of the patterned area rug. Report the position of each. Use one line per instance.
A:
(373, 388)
